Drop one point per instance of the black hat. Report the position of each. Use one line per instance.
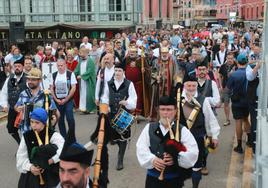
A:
(202, 63)
(20, 60)
(74, 152)
(120, 65)
(167, 100)
(188, 78)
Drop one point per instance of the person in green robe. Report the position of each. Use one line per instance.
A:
(85, 72)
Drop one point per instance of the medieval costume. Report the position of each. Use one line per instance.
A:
(163, 80)
(134, 74)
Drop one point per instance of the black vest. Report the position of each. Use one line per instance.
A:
(198, 127)
(157, 141)
(14, 89)
(157, 147)
(51, 174)
(206, 89)
(115, 96)
(31, 140)
(102, 77)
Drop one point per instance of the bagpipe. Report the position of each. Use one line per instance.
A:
(101, 134)
(173, 145)
(44, 151)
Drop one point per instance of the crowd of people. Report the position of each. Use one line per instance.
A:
(176, 79)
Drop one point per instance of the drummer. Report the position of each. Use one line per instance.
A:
(120, 93)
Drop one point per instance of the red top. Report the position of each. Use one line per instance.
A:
(72, 65)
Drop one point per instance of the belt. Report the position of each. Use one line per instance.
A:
(154, 173)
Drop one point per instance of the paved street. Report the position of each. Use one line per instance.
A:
(133, 176)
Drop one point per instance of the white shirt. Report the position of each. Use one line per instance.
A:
(23, 162)
(132, 95)
(108, 74)
(220, 61)
(215, 99)
(186, 159)
(217, 36)
(61, 86)
(53, 52)
(4, 92)
(8, 58)
(86, 45)
(211, 123)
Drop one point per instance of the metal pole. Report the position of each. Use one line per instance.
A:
(262, 126)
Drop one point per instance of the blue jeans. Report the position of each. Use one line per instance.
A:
(66, 109)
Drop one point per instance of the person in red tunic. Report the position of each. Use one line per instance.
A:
(71, 65)
(134, 74)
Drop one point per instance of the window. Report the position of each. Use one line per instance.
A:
(150, 9)
(252, 13)
(167, 8)
(257, 12)
(160, 8)
(82, 6)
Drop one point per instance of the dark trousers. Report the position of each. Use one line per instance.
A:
(152, 182)
(13, 131)
(11, 120)
(66, 110)
(253, 122)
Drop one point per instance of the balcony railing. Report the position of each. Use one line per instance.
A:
(119, 16)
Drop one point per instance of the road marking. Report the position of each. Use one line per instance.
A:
(247, 169)
(232, 179)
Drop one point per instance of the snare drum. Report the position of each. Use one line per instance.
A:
(122, 121)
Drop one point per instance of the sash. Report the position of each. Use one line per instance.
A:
(190, 118)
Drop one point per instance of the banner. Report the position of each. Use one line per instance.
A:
(47, 70)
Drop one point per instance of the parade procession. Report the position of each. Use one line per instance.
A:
(163, 106)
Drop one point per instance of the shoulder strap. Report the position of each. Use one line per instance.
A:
(54, 75)
(218, 57)
(69, 77)
(102, 72)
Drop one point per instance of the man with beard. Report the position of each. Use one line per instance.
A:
(208, 88)
(86, 75)
(75, 161)
(34, 97)
(197, 114)
(162, 80)
(104, 76)
(225, 71)
(13, 86)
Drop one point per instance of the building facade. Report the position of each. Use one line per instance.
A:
(62, 20)
(196, 13)
(157, 13)
(247, 11)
